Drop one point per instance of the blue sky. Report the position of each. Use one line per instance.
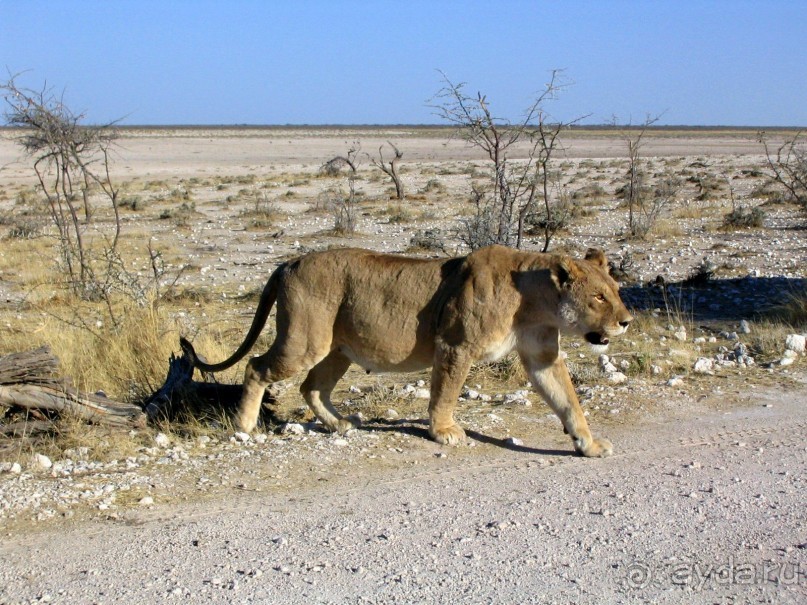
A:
(718, 62)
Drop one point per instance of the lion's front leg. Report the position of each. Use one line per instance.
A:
(551, 380)
(451, 365)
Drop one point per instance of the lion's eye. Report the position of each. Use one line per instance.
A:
(599, 298)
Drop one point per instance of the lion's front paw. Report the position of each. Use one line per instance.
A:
(344, 425)
(244, 423)
(596, 448)
(452, 435)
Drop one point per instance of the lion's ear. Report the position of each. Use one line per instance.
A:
(596, 256)
(566, 271)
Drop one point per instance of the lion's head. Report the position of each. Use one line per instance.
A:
(590, 305)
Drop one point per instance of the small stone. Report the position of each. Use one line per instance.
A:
(339, 442)
(680, 335)
(390, 414)
(161, 440)
(514, 441)
(241, 436)
(786, 361)
(604, 360)
(42, 462)
(146, 501)
(617, 378)
(703, 365)
(796, 343)
(203, 440)
(745, 327)
(609, 368)
(655, 370)
(293, 428)
(261, 438)
(675, 381)
(421, 393)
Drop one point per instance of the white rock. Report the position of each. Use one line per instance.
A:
(162, 440)
(390, 414)
(146, 501)
(203, 440)
(680, 335)
(703, 365)
(745, 327)
(241, 436)
(422, 393)
(609, 368)
(796, 342)
(41, 461)
(261, 438)
(675, 381)
(604, 360)
(471, 394)
(293, 428)
(655, 370)
(617, 378)
(339, 442)
(787, 361)
(514, 441)
(624, 364)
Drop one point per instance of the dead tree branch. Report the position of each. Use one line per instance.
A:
(390, 168)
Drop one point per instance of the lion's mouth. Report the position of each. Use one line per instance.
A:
(596, 338)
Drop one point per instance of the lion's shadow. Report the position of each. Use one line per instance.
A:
(419, 428)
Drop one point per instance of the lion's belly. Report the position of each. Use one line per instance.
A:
(384, 359)
(496, 350)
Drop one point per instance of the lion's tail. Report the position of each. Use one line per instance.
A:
(268, 297)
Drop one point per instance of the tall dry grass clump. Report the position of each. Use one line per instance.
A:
(126, 360)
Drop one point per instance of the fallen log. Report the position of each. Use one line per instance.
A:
(30, 380)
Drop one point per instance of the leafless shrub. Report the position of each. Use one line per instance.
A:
(390, 168)
(745, 218)
(789, 166)
(71, 162)
(645, 201)
(340, 204)
(431, 240)
(516, 187)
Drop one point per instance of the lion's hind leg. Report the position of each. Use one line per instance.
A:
(317, 388)
(450, 369)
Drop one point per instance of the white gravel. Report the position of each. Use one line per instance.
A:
(695, 508)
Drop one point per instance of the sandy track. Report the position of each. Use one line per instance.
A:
(704, 509)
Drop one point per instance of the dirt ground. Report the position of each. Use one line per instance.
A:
(702, 501)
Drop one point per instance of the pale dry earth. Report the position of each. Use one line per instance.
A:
(700, 505)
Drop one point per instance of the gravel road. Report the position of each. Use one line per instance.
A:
(706, 507)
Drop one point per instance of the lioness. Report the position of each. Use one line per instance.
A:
(394, 313)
